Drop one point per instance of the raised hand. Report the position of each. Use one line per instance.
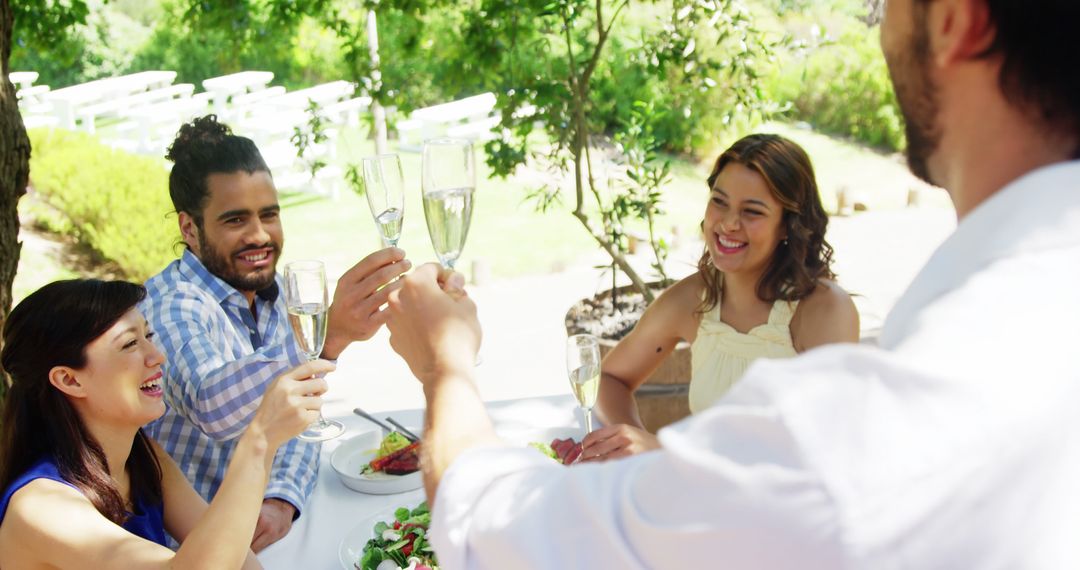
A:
(292, 402)
(433, 323)
(356, 313)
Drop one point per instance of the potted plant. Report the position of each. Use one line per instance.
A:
(612, 314)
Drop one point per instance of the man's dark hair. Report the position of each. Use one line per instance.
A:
(204, 147)
(1037, 41)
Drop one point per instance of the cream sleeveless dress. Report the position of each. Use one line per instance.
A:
(720, 354)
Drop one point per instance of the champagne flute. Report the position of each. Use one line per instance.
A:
(583, 367)
(307, 301)
(448, 178)
(384, 187)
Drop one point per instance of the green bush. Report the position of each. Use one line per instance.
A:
(117, 204)
(845, 89)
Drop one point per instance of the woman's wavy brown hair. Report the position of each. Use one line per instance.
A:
(804, 257)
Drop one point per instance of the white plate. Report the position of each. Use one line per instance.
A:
(350, 457)
(352, 545)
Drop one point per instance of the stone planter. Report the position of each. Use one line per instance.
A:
(664, 398)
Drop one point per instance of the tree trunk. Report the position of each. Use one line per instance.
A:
(14, 171)
(377, 110)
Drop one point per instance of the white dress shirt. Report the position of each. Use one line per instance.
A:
(955, 445)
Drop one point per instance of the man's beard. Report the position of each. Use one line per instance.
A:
(917, 94)
(223, 267)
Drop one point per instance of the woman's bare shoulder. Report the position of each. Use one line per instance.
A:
(827, 297)
(86, 538)
(685, 293)
(826, 316)
(35, 508)
(675, 310)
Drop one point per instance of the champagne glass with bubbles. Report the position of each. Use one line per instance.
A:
(448, 178)
(307, 301)
(384, 187)
(583, 367)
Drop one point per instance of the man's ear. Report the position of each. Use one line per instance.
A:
(64, 379)
(189, 231)
(960, 30)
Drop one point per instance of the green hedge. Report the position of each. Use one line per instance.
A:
(845, 89)
(116, 203)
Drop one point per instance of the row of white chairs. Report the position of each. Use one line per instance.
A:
(143, 111)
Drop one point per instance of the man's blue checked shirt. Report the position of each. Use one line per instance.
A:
(219, 361)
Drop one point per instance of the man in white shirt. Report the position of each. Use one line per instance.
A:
(956, 444)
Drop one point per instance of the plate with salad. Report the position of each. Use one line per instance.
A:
(377, 464)
(390, 540)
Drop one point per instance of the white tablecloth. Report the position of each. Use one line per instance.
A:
(333, 509)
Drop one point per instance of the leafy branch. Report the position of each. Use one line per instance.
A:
(305, 139)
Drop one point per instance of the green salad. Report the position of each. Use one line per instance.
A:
(546, 449)
(401, 544)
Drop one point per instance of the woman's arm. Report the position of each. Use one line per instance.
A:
(221, 537)
(58, 526)
(668, 320)
(183, 505)
(671, 318)
(826, 316)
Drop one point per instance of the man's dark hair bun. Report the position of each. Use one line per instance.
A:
(201, 148)
(203, 133)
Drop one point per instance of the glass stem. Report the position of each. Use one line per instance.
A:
(588, 420)
(321, 422)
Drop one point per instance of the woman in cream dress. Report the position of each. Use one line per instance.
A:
(764, 289)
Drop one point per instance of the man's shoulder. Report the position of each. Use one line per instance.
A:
(174, 283)
(172, 295)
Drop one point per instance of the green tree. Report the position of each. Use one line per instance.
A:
(545, 57)
(35, 23)
(551, 64)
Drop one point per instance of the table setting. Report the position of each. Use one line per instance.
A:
(369, 480)
(339, 518)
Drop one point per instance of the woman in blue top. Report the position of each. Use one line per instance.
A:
(82, 486)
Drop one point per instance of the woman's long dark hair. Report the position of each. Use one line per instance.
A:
(805, 256)
(52, 327)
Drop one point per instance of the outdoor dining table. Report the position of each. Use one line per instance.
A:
(334, 510)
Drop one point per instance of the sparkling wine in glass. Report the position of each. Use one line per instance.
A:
(307, 302)
(583, 367)
(448, 178)
(384, 187)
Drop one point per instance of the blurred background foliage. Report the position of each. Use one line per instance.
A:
(428, 57)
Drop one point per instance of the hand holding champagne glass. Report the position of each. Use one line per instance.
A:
(448, 178)
(307, 301)
(583, 367)
(384, 187)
